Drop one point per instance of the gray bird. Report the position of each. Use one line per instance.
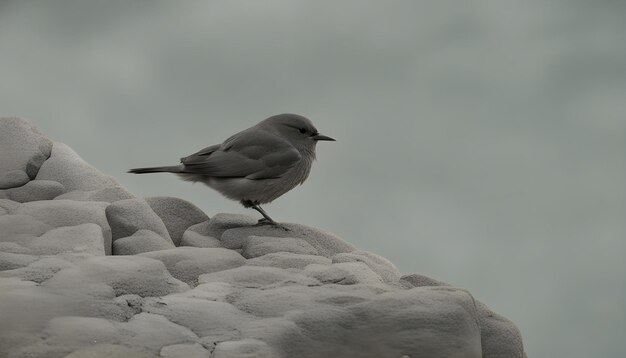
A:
(256, 165)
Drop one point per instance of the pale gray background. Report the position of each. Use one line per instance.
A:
(479, 142)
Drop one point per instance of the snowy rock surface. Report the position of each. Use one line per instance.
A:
(231, 288)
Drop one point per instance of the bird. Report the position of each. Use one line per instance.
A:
(255, 166)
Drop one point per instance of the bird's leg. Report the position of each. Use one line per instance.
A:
(266, 218)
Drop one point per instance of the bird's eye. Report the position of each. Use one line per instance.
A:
(302, 130)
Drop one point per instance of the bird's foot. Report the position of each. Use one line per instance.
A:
(273, 223)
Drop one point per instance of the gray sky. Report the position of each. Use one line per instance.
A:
(479, 142)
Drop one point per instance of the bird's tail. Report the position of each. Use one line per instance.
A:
(170, 169)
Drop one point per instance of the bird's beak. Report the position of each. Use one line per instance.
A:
(322, 137)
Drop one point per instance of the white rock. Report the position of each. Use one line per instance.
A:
(192, 238)
(257, 276)
(23, 147)
(9, 261)
(12, 283)
(29, 309)
(258, 246)
(84, 238)
(11, 341)
(9, 205)
(124, 274)
(141, 241)
(154, 331)
(13, 179)
(211, 291)
(201, 316)
(500, 337)
(415, 323)
(186, 264)
(58, 213)
(105, 350)
(383, 267)
(14, 248)
(40, 270)
(40, 350)
(177, 214)
(109, 195)
(245, 348)
(76, 332)
(194, 350)
(36, 190)
(288, 260)
(21, 229)
(346, 273)
(222, 222)
(128, 216)
(416, 280)
(325, 243)
(69, 169)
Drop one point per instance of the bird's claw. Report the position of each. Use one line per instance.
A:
(273, 223)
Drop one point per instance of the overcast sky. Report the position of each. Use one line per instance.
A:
(478, 142)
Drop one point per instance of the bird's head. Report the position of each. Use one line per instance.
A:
(296, 129)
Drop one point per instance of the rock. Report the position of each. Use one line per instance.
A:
(84, 238)
(58, 213)
(40, 270)
(500, 338)
(346, 273)
(257, 276)
(276, 332)
(67, 168)
(9, 205)
(222, 222)
(192, 238)
(106, 350)
(203, 317)
(258, 246)
(128, 216)
(28, 309)
(244, 348)
(416, 280)
(21, 229)
(124, 274)
(14, 248)
(301, 293)
(36, 190)
(276, 301)
(40, 350)
(109, 195)
(141, 241)
(13, 179)
(9, 261)
(325, 243)
(383, 267)
(186, 264)
(288, 260)
(76, 332)
(12, 341)
(24, 148)
(130, 304)
(422, 322)
(152, 332)
(177, 214)
(194, 350)
(211, 291)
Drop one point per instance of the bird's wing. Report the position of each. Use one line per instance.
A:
(251, 154)
(199, 156)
